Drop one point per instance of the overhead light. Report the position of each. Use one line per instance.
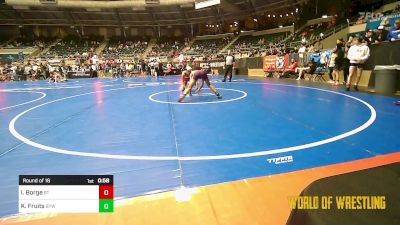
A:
(287, 14)
(297, 9)
(281, 15)
(324, 16)
(269, 15)
(217, 25)
(291, 13)
(255, 20)
(273, 16)
(206, 25)
(231, 25)
(280, 26)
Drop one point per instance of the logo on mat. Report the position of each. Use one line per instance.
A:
(280, 160)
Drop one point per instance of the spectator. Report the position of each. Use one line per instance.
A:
(331, 65)
(382, 36)
(360, 20)
(310, 68)
(291, 69)
(302, 51)
(369, 37)
(397, 9)
(319, 46)
(338, 65)
(358, 54)
(346, 61)
(394, 32)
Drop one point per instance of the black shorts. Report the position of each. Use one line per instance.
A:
(358, 65)
(338, 66)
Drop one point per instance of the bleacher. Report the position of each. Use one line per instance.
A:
(207, 46)
(4, 40)
(249, 45)
(24, 42)
(311, 34)
(73, 46)
(120, 47)
(167, 48)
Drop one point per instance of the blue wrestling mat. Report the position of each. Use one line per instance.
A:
(135, 129)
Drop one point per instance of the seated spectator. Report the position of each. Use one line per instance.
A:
(360, 20)
(318, 46)
(310, 68)
(397, 9)
(394, 32)
(291, 69)
(369, 37)
(382, 35)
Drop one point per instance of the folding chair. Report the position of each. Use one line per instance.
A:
(319, 74)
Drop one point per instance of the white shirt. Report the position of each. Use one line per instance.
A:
(301, 51)
(358, 53)
(95, 59)
(332, 60)
(181, 58)
(229, 60)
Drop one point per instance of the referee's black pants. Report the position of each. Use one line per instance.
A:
(228, 70)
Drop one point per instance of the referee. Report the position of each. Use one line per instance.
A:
(229, 61)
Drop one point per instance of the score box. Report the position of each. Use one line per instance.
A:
(66, 193)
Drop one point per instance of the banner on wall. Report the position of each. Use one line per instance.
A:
(274, 62)
(375, 23)
(269, 62)
(12, 57)
(282, 62)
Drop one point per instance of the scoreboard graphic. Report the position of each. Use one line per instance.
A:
(66, 193)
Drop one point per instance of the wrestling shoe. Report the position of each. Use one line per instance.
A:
(181, 98)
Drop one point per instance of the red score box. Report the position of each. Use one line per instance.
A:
(106, 192)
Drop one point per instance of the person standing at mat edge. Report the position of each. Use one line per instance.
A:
(229, 62)
(357, 54)
(194, 77)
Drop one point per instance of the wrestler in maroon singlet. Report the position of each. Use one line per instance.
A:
(195, 76)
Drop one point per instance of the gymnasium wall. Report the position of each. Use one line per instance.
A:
(330, 42)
